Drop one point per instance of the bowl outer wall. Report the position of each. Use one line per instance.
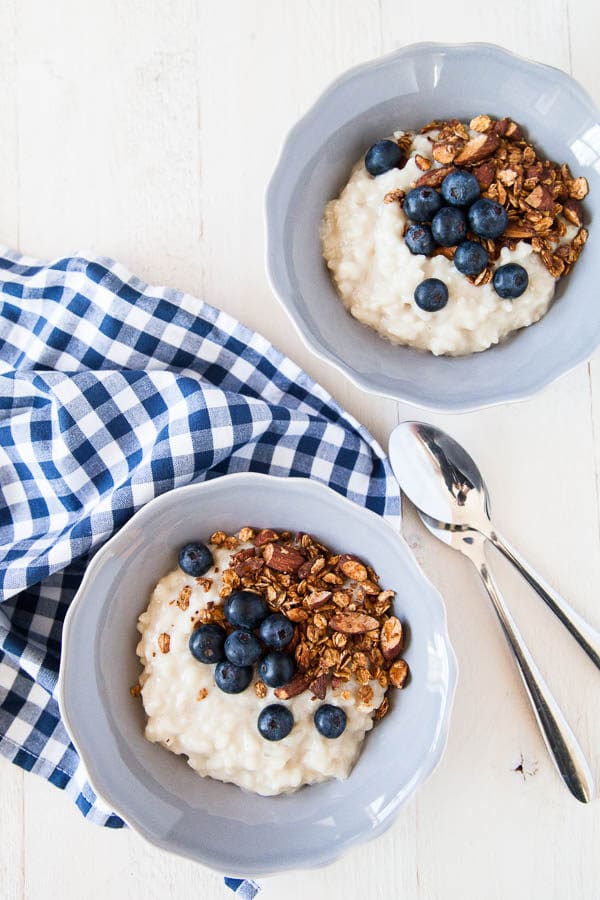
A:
(405, 89)
(160, 796)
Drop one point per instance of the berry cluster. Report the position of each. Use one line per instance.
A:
(258, 637)
(444, 218)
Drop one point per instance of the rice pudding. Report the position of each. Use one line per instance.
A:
(378, 273)
(334, 663)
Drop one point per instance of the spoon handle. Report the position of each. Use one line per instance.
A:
(560, 740)
(587, 637)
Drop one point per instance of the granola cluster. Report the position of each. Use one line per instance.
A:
(541, 197)
(344, 625)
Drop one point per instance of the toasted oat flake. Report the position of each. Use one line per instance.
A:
(260, 689)
(365, 694)
(398, 673)
(393, 196)
(202, 694)
(183, 601)
(383, 708)
(164, 642)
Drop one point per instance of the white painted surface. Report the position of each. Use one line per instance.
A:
(147, 131)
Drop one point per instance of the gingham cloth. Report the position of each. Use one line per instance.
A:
(112, 392)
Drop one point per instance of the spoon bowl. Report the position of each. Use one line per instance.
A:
(438, 476)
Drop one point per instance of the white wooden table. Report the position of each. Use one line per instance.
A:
(147, 131)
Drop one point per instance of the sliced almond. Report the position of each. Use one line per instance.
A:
(434, 177)
(540, 198)
(293, 688)
(477, 149)
(265, 536)
(302, 656)
(352, 568)
(319, 686)
(391, 638)
(517, 231)
(250, 566)
(353, 623)
(318, 599)
(283, 559)
(243, 555)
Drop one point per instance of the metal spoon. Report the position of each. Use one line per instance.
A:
(442, 480)
(560, 740)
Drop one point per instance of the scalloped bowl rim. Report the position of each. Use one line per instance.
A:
(311, 341)
(149, 511)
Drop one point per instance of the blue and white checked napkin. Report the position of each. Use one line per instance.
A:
(112, 392)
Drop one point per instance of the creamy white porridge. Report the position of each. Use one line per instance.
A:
(376, 274)
(217, 732)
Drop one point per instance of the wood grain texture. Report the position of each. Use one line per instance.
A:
(148, 132)
(12, 844)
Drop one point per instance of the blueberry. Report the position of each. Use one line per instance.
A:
(487, 218)
(245, 609)
(383, 156)
(449, 226)
(275, 722)
(470, 258)
(276, 668)
(460, 188)
(510, 281)
(419, 239)
(431, 295)
(232, 679)
(330, 721)
(242, 648)
(422, 203)
(195, 559)
(277, 631)
(206, 643)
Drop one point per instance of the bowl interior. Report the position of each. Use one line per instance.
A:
(219, 824)
(406, 90)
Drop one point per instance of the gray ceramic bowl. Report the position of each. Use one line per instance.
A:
(156, 792)
(404, 90)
